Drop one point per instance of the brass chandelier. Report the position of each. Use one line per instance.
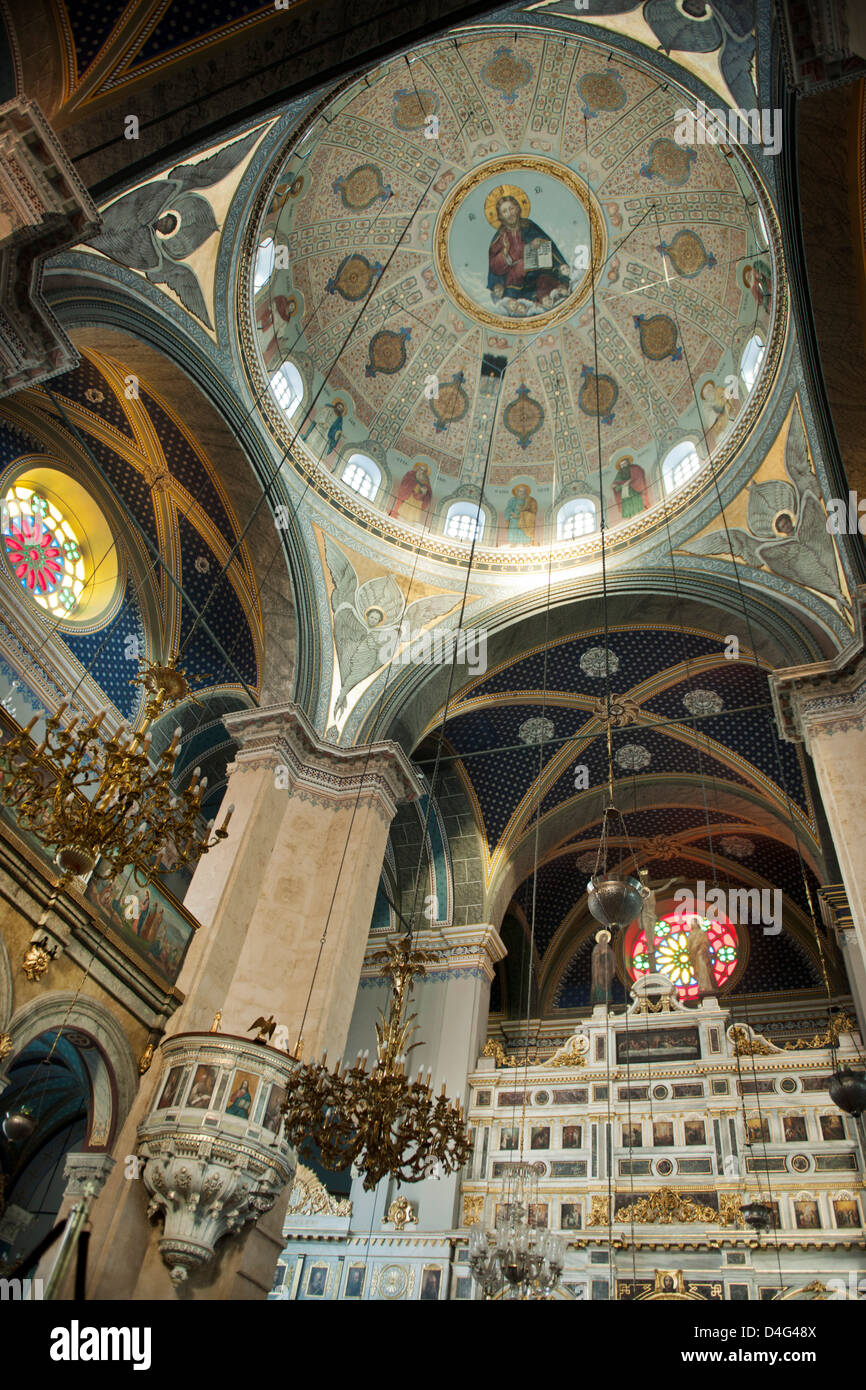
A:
(92, 798)
(381, 1121)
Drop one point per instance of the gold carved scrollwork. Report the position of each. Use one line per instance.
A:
(599, 1213)
(493, 1048)
(749, 1044)
(473, 1207)
(664, 1206)
(571, 1054)
(840, 1024)
(402, 1213)
(309, 1197)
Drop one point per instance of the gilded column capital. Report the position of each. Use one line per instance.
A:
(281, 737)
(468, 950)
(824, 697)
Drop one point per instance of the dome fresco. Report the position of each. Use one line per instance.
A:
(481, 263)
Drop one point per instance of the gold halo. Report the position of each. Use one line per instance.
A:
(505, 190)
(603, 935)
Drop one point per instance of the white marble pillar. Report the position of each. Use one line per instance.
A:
(823, 706)
(285, 904)
(452, 1002)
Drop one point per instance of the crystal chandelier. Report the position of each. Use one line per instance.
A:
(93, 798)
(381, 1121)
(517, 1258)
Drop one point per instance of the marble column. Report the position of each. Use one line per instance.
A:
(85, 1172)
(285, 904)
(452, 1002)
(823, 706)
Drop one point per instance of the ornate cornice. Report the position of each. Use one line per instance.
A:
(463, 951)
(827, 697)
(281, 736)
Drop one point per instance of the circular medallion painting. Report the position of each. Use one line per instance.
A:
(516, 243)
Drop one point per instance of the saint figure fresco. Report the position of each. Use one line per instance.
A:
(520, 516)
(414, 495)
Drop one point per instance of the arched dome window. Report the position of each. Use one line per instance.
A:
(575, 518)
(264, 268)
(362, 475)
(680, 464)
(750, 362)
(464, 522)
(288, 387)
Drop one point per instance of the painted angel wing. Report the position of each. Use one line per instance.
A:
(809, 557)
(342, 573)
(723, 543)
(185, 285)
(424, 610)
(797, 460)
(766, 500)
(209, 171)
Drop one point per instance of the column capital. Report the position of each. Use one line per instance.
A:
(471, 950)
(825, 697)
(80, 1169)
(281, 736)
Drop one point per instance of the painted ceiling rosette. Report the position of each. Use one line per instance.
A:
(497, 256)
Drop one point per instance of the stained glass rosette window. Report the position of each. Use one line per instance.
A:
(672, 954)
(42, 550)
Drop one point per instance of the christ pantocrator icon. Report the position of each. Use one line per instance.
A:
(526, 267)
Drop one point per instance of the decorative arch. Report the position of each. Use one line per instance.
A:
(114, 1075)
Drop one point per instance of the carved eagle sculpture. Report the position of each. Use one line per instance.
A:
(265, 1027)
(369, 619)
(787, 526)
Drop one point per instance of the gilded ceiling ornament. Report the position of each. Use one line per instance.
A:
(703, 702)
(523, 417)
(411, 108)
(737, 846)
(353, 277)
(5, 1045)
(687, 254)
(597, 395)
(536, 730)
(386, 351)
(657, 847)
(658, 337)
(670, 162)
(622, 711)
(601, 91)
(598, 661)
(363, 187)
(450, 403)
(506, 73)
(633, 757)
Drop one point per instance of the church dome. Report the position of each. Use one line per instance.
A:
(473, 268)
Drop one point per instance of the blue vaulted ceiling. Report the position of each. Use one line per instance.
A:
(671, 674)
(148, 472)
